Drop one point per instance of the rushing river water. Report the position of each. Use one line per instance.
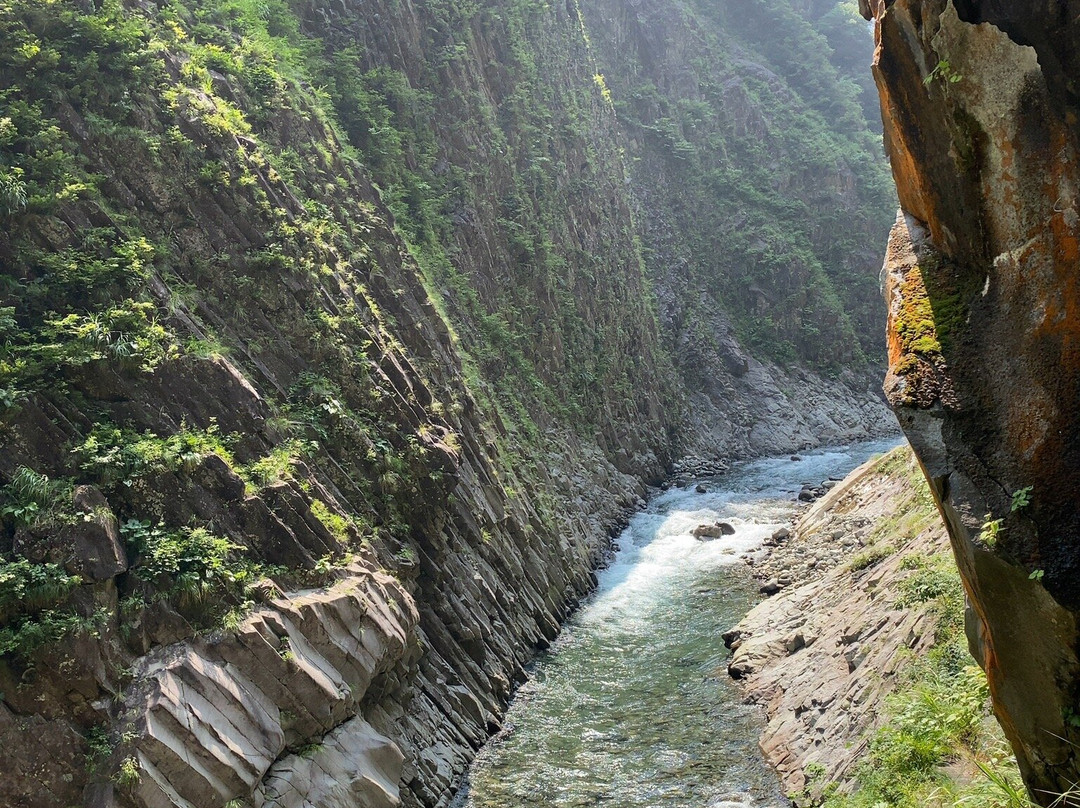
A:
(632, 705)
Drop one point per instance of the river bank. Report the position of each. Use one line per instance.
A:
(823, 655)
(632, 705)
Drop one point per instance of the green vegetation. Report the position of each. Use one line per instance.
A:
(112, 457)
(29, 495)
(991, 530)
(871, 556)
(1021, 499)
(185, 181)
(943, 71)
(938, 746)
(759, 144)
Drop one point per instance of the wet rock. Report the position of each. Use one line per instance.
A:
(783, 534)
(714, 531)
(796, 459)
(701, 489)
(752, 653)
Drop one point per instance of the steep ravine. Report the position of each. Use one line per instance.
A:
(332, 351)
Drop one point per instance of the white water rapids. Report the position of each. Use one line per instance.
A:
(632, 706)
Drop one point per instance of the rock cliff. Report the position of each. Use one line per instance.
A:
(742, 118)
(980, 113)
(329, 357)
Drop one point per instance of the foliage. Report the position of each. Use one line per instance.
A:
(870, 556)
(933, 580)
(25, 635)
(1021, 499)
(28, 496)
(939, 714)
(751, 147)
(128, 774)
(27, 587)
(112, 456)
(991, 530)
(278, 463)
(190, 563)
(943, 71)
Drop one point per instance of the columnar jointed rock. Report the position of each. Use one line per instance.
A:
(212, 719)
(983, 289)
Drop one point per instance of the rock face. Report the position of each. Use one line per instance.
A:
(822, 655)
(330, 357)
(717, 104)
(980, 112)
(213, 719)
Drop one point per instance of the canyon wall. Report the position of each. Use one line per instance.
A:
(333, 347)
(980, 111)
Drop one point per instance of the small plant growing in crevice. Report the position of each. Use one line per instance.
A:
(128, 773)
(990, 531)
(1021, 499)
(943, 71)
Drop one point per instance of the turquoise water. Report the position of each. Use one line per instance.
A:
(632, 706)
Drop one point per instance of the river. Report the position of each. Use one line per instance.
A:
(632, 706)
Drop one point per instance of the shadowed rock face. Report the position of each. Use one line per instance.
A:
(981, 280)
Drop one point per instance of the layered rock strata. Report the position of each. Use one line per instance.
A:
(328, 362)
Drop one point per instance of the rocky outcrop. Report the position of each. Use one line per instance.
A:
(822, 656)
(980, 117)
(213, 719)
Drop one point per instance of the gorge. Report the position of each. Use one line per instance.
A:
(339, 339)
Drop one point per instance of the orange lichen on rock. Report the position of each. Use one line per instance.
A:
(982, 280)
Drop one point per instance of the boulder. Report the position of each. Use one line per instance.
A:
(713, 531)
(771, 587)
(707, 532)
(88, 546)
